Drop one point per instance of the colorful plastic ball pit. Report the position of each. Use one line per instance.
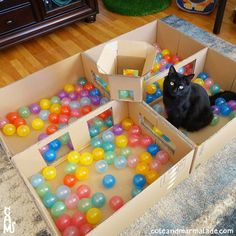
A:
(208, 83)
(132, 161)
(151, 89)
(101, 166)
(109, 157)
(71, 201)
(63, 192)
(116, 202)
(50, 155)
(71, 231)
(153, 149)
(49, 172)
(34, 108)
(86, 228)
(78, 219)
(45, 104)
(98, 199)
(43, 115)
(9, 129)
(145, 157)
(70, 180)
(232, 104)
(83, 191)
(51, 129)
(142, 168)
(12, 116)
(108, 136)
(145, 141)
(82, 173)
(23, 130)
(133, 140)
(108, 181)
(127, 123)
(84, 205)
(215, 109)
(36, 180)
(149, 98)
(139, 181)
(125, 151)
(63, 222)
(120, 162)
(58, 209)
(3, 121)
(93, 216)
(24, 112)
(49, 199)
(96, 142)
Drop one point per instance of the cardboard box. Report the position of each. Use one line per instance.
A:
(212, 138)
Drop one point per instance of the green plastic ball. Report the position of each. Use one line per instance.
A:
(215, 120)
(98, 122)
(125, 151)
(70, 168)
(214, 89)
(232, 115)
(98, 200)
(84, 204)
(81, 81)
(24, 112)
(109, 157)
(42, 189)
(55, 100)
(58, 209)
(64, 139)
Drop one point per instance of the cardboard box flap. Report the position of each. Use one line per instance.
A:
(150, 59)
(107, 62)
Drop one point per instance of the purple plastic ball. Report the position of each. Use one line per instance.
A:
(42, 136)
(73, 96)
(215, 110)
(62, 94)
(84, 93)
(44, 149)
(117, 129)
(232, 104)
(95, 100)
(34, 108)
(70, 146)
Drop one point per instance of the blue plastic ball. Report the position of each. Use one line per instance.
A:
(101, 166)
(157, 94)
(120, 162)
(63, 192)
(55, 144)
(94, 131)
(139, 181)
(225, 110)
(159, 56)
(104, 100)
(109, 122)
(43, 114)
(158, 108)
(203, 75)
(108, 136)
(168, 65)
(108, 146)
(85, 101)
(149, 98)
(49, 199)
(220, 101)
(96, 142)
(36, 180)
(153, 149)
(108, 181)
(50, 155)
(74, 104)
(94, 92)
(181, 70)
(135, 191)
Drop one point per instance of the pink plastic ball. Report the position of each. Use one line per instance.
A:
(3, 121)
(78, 88)
(75, 113)
(63, 222)
(71, 231)
(134, 140)
(78, 219)
(116, 203)
(163, 62)
(71, 201)
(208, 83)
(63, 119)
(84, 93)
(65, 101)
(163, 157)
(73, 96)
(146, 140)
(176, 59)
(83, 191)
(85, 229)
(155, 165)
(135, 129)
(132, 161)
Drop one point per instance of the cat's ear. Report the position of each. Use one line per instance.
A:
(172, 71)
(189, 78)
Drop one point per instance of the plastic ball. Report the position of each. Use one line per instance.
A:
(133, 140)
(203, 75)
(208, 83)
(215, 109)
(155, 165)
(232, 104)
(220, 101)
(44, 149)
(132, 161)
(63, 192)
(104, 115)
(82, 173)
(58, 209)
(83, 191)
(93, 216)
(120, 162)
(42, 136)
(96, 142)
(176, 59)
(84, 204)
(12, 116)
(89, 86)
(73, 157)
(127, 123)
(139, 181)
(86, 159)
(109, 157)
(214, 89)
(151, 88)
(49, 172)
(70, 180)
(71, 201)
(225, 110)
(164, 137)
(98, 199)
(71, 231)
(149, 98)
(50, 155)
(121, 141)
(73, 96)
(108, 146)
(63, 222)
(142, 168)
(65, 110)
(101, 166)
(45, 104)
(116, 202)
(51, 129)
(158, 108)
(55, 145)
(42, 189)
(85, 228)
(109, 122)
(163, 157)
(65, 101)
(104, 100)
(165, 52)
(145, 141)
(232, 115)
(34, 108)
(125, 151)
(95, 100)
(74, 104)
(84, 93)
(69, 88)
(78, 219)
(94, 92)
(86, 109)
(98, 122)
(36, 180)
(145, 157)
(43, 114)
(70, 145)
(75, 112)
(81, 81)
(85, 101)
(23, 130)
(199, 82)
(24, 112)
(135, 191)
(98, 153)
(117, 129)
(63, 119)
(37, 124)
(135, 129)
(94, 131)
(49, 199)
(108, 181)
(70, 168)
(108, 136)
(9, 129)
(123, 94)
(3, 121)
(62, 94)
(55, 100)
(159, 56)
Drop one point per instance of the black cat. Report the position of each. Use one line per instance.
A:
(187, 104)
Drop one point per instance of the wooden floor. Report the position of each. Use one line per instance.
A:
(26, 58)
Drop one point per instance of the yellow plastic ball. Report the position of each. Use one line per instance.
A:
(49, 172)
(145, 157)
(69, 88)
(94, 216)
(98, 153)
(160, 83)
(151, 89)
(156, 67)
(157, 131)
(82, 173)
(45, 104)
(86, 159)
(37, 124)
(142, 168)
(73, 157)
(127, 123)
(23, 130)
(199, 81)
(165, 52)
(121, 141)
(55, 108)
(151, 176)
(9, 129)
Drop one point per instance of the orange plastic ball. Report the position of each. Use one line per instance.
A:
(65, 110)
(55, 108)
(86, 109)
(53, 118)
(89, 86)
(51, 129)
(151, 176)
(142, 168)
(19, 121)
(12, 116)
(145, 157)
(70, 180)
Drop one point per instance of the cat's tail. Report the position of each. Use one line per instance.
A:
(227, 95)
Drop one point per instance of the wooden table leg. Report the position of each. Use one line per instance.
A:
(219, 16)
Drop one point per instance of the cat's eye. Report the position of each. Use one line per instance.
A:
(181, 87)
(172, 83)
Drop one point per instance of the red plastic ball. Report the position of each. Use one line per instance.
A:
(168, 58)
(104, 115)
(65, 110)
(53, 118)
(19, 121)
(12, 116)
(75, 113)
(70, 180)
(63, 119)
(134, 140)
(83, 191)
(146, 140)
(89, 86)
(116, 203)
(63, 221)
(86, 109)
(135, 129)
(85, 229)
(176, 59)
(78, 88)
(51, 129)
(71, 231)
(78, 219)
